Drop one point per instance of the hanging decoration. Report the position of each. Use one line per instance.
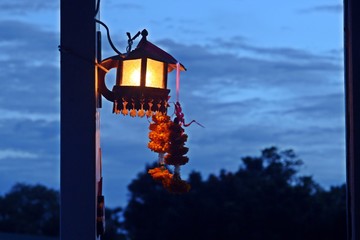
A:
(167, 138)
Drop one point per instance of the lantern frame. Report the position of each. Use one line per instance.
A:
(140, 97)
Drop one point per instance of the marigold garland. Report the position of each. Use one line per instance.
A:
(168, 139)
(159, 134)
(161, 174)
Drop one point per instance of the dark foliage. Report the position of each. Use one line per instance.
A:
(34, 209)
(113, 225)
(264, 199)
(30, 209)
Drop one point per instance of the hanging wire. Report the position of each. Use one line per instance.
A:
(130, 39)
(97, 8)
(108, 36)
(65, 50)
(106, 27)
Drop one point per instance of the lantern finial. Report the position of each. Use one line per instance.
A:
(144, 33)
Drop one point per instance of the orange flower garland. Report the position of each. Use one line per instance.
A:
(168, 137)
(161, 174)
(159, 134)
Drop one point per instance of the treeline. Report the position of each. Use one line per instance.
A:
(30, 209)
(264, 199)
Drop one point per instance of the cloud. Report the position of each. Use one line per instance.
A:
(29, 89)
(334, 8)
(10, 153)
(222, 76)
(29, 101)
(29, 152)
(325, 107)
(24, 6)
(29, 69)
(38, 137)
(28, 42)
(239, 43)
(127, 6)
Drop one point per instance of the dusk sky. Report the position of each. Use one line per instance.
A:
(260, 74)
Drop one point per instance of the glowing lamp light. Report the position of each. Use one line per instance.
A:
(131, 73)
(141, 79)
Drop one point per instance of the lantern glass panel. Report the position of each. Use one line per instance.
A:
(131, 73)
(154, 74)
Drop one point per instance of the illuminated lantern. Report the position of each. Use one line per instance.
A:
(141, 79)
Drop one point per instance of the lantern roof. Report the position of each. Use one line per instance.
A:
(150, 50)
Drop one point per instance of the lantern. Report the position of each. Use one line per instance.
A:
(141, 79)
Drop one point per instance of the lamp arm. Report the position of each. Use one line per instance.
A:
(106, 65)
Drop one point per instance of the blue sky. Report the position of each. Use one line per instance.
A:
(260, 73)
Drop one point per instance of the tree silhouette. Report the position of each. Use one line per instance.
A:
(114, 227)
(264, 199)
(34, 209)
(30, 209)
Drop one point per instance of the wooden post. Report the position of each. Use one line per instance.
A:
(352, 91)
(79, 126)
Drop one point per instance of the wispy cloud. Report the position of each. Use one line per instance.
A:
(11, 153)
(128, 6)
(288, 53)
(24, 6)
(29, 42)
(29, 68)
(334, 8)
(29, 152)
(38, 137)
(212, 73)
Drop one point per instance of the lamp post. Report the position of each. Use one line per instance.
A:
(352, 91)
(78, 167)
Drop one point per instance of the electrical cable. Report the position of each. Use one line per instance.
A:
(97, 8)
(106, 27)
(108, 36)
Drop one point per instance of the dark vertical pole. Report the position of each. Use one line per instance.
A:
(352, 91)
(78, 120)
